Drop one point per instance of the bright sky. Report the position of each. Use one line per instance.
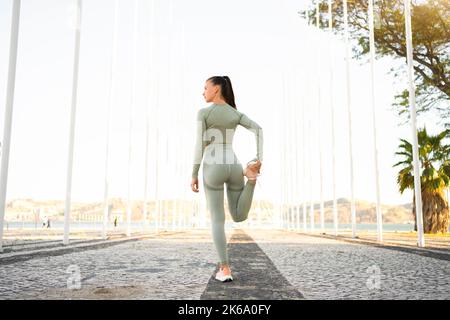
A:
(255, 43)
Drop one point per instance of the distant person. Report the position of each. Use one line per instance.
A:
(44, 222)
(48, 223)
(115, 222)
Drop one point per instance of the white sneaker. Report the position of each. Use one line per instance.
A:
(221, 276)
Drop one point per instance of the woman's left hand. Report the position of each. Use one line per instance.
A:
(194, 184)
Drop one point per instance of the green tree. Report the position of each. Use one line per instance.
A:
(434, 158)
(431, 45)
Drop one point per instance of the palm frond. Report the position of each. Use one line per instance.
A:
(402, 162)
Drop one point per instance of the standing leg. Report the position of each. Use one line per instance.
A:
(214, 176)
(239, 194)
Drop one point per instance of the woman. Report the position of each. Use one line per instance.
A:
(216, 126)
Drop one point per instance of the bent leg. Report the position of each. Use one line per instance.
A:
(239, 194)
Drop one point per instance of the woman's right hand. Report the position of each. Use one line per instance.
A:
(255, 164)
(259, 166)
(194, 184)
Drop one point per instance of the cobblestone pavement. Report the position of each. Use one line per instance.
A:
(328, 269)
(432, 241)
(175, 266)
(181, 265)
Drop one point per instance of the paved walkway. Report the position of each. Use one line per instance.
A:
(323, 268)
(266, 264)
(432, 241)
(255, 275)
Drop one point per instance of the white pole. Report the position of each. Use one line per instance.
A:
(297, 156)
(108, 119)
(169, 202)
(147, 119)
(311, 144)
(333, 132)
(133, 98)
(372, 95)
(322, 213)
(347, 60)
(289, 184)
(13, 43)
(311, 212)
(287, 178)
(173, 200)
(166, 197)
(157, 154)
(412, 108)
(155, 87)
(293, 153)
(185, 166)
(288, 154)
(304, 164)
(305, 204)
(72, 126)
(283, 157)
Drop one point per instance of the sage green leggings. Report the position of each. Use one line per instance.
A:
(239, 195)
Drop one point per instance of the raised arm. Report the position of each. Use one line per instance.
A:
(200, 142)
(257, 130)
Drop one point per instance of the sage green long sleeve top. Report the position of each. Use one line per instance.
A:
(217, 124)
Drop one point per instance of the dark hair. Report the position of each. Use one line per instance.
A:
(226, 88)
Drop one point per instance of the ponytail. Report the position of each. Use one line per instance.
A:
(226, 88)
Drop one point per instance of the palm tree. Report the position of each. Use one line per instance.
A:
(434, 159)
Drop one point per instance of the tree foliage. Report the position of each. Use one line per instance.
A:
(434, 161)
(430, 21)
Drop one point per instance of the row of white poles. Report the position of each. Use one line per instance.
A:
(379, 218)
(9, 112)
(111, 89)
